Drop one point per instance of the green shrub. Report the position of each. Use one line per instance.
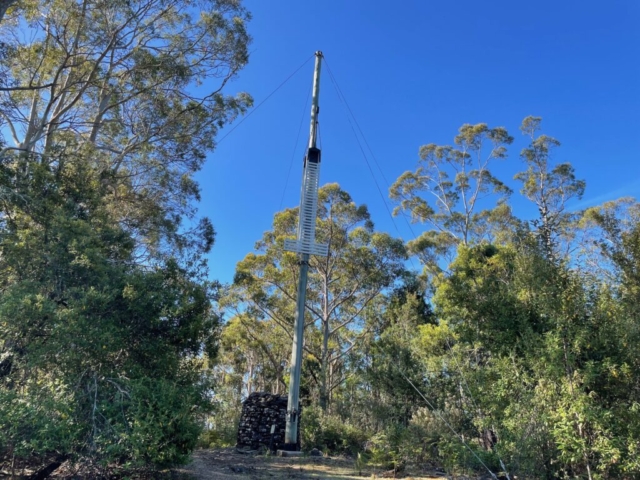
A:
(221, 433)
(330, 433)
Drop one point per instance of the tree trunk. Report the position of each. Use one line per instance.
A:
(324, 389)
(249, 380)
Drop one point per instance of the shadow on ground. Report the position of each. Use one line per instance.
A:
(228, 464)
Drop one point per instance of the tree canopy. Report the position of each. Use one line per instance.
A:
(137, 87)
(108, 319)
(512, 351)
(344, 287)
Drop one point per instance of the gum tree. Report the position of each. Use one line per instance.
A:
(343, 287)
(448, 192)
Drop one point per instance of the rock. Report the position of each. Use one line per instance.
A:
(261, 411)
(315, 453)
(246, 451)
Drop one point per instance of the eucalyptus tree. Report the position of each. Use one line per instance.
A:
(139, 81)
(252, 352)
(549, 187)
(107, 109)
(448, 192)
(343, 287)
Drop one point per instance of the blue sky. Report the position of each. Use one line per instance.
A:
(413, 72)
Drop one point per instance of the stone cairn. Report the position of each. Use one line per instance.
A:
(259, 412)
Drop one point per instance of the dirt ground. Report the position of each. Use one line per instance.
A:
(229, 464)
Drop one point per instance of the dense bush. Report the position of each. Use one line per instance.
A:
(330, 433)
(102, 358)
(514, 351)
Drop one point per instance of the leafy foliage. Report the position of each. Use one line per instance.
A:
(456, 179)
(107, 325)
(344, 288)
(100, 357)
(139, 82)
(550, 188)
(330, 433)
(515, 351)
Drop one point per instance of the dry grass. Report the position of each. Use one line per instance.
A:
(227, 464)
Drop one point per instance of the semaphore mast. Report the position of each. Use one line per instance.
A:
(304, 245)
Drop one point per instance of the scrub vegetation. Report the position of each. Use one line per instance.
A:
(492, 343)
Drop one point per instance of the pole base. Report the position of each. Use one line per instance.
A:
(290, 447)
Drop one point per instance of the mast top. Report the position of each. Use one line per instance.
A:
(305, 243)
(315, 99)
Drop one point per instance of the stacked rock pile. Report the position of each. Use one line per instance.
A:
(260, 411)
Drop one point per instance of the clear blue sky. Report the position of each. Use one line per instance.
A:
(414, 71)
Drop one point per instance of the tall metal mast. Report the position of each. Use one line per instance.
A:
(305, 245)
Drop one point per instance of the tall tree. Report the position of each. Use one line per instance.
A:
(140, 81)
(255, 351)
(362, 263)
(106, 316)
(448, 189)
(549, 187)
